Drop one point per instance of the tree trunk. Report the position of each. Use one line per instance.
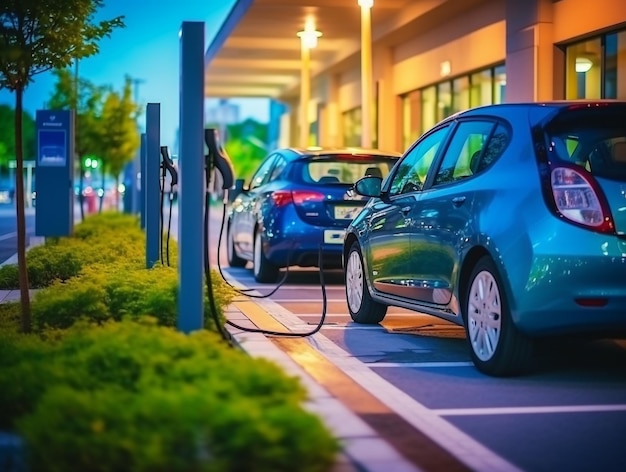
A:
(19, 209)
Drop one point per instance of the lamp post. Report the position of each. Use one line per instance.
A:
(308, 40)
(366, 72)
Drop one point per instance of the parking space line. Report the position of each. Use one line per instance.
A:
(462, 446)
(528, 410)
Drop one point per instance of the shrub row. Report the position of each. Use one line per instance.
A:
(106, 383)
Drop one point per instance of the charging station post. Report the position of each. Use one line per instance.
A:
(54, 214)
(152, 189)
(191, 169)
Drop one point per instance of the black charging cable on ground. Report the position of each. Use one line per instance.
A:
(217, 158)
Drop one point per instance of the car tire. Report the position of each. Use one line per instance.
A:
(264, 271)
(363, 309)
(233, 259)
(497, 347)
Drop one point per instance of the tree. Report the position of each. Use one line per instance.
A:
(245, 144)
(86, 98)
(37, 36)
(120, 139)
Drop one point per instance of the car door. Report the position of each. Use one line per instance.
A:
(444, 214)
(246, 206)
(390, 224)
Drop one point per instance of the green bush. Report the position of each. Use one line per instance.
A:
(105, 383)
(116, 290)
(103, 238)
(136, 396)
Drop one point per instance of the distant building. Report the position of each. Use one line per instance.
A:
(225, 113)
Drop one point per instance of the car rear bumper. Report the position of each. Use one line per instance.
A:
(573, 288)
(301, 244)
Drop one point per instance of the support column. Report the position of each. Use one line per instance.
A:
(305, 95)
(366, 75)
(529, 51)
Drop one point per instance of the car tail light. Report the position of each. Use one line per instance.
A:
(282, 198)
(305, 196)
(299, 197)
(579, 199)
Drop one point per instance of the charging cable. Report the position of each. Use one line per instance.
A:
(167, 166)
(218, 158)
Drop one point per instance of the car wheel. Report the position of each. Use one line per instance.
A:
(363, 309)
(264, 271)
(497, 347)
(233, 259)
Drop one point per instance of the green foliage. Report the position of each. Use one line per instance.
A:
(86, 99)
(7, 135)
(245, 144)
(110, 237)
(136, 396)
(119, 138)
(99, 274)
(37, 36)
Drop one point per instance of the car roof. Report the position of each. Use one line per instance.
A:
(548, 104)
(293, 153)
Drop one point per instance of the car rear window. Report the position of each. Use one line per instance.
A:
(593, 139)
(340, 169)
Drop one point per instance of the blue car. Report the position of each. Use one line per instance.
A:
(297, 206)
(509, 220)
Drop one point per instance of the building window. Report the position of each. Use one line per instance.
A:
(429, 108)
(411, 118)
(352, 127)
(499, 84)
(424, 108)
(461, 94)
(593, 67)
(480, 88)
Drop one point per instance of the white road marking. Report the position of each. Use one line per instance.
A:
(8, 236)
(527, 410)
(419, 365)
(464, 447)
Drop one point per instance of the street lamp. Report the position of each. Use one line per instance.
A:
(308, 40)
(366, 72)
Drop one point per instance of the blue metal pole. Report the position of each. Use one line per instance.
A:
(152, 188)
(141, 191)
(191, 188)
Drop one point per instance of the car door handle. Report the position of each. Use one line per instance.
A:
(405, 210)
(458, 201)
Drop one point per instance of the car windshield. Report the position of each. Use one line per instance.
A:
(342, 169)
(596, 142)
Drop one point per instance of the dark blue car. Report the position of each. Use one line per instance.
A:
(297, 206)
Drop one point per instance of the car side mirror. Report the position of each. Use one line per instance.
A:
(369, 186)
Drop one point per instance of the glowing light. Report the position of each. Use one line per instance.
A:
(583, 64)
(309, 37)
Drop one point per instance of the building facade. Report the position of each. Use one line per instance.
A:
(449, 58)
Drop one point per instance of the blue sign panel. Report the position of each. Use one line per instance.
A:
(54, 210)
(52, 147)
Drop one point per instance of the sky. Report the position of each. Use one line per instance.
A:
(148, 50)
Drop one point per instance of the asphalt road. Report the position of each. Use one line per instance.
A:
(569, 413)
(8, 230)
